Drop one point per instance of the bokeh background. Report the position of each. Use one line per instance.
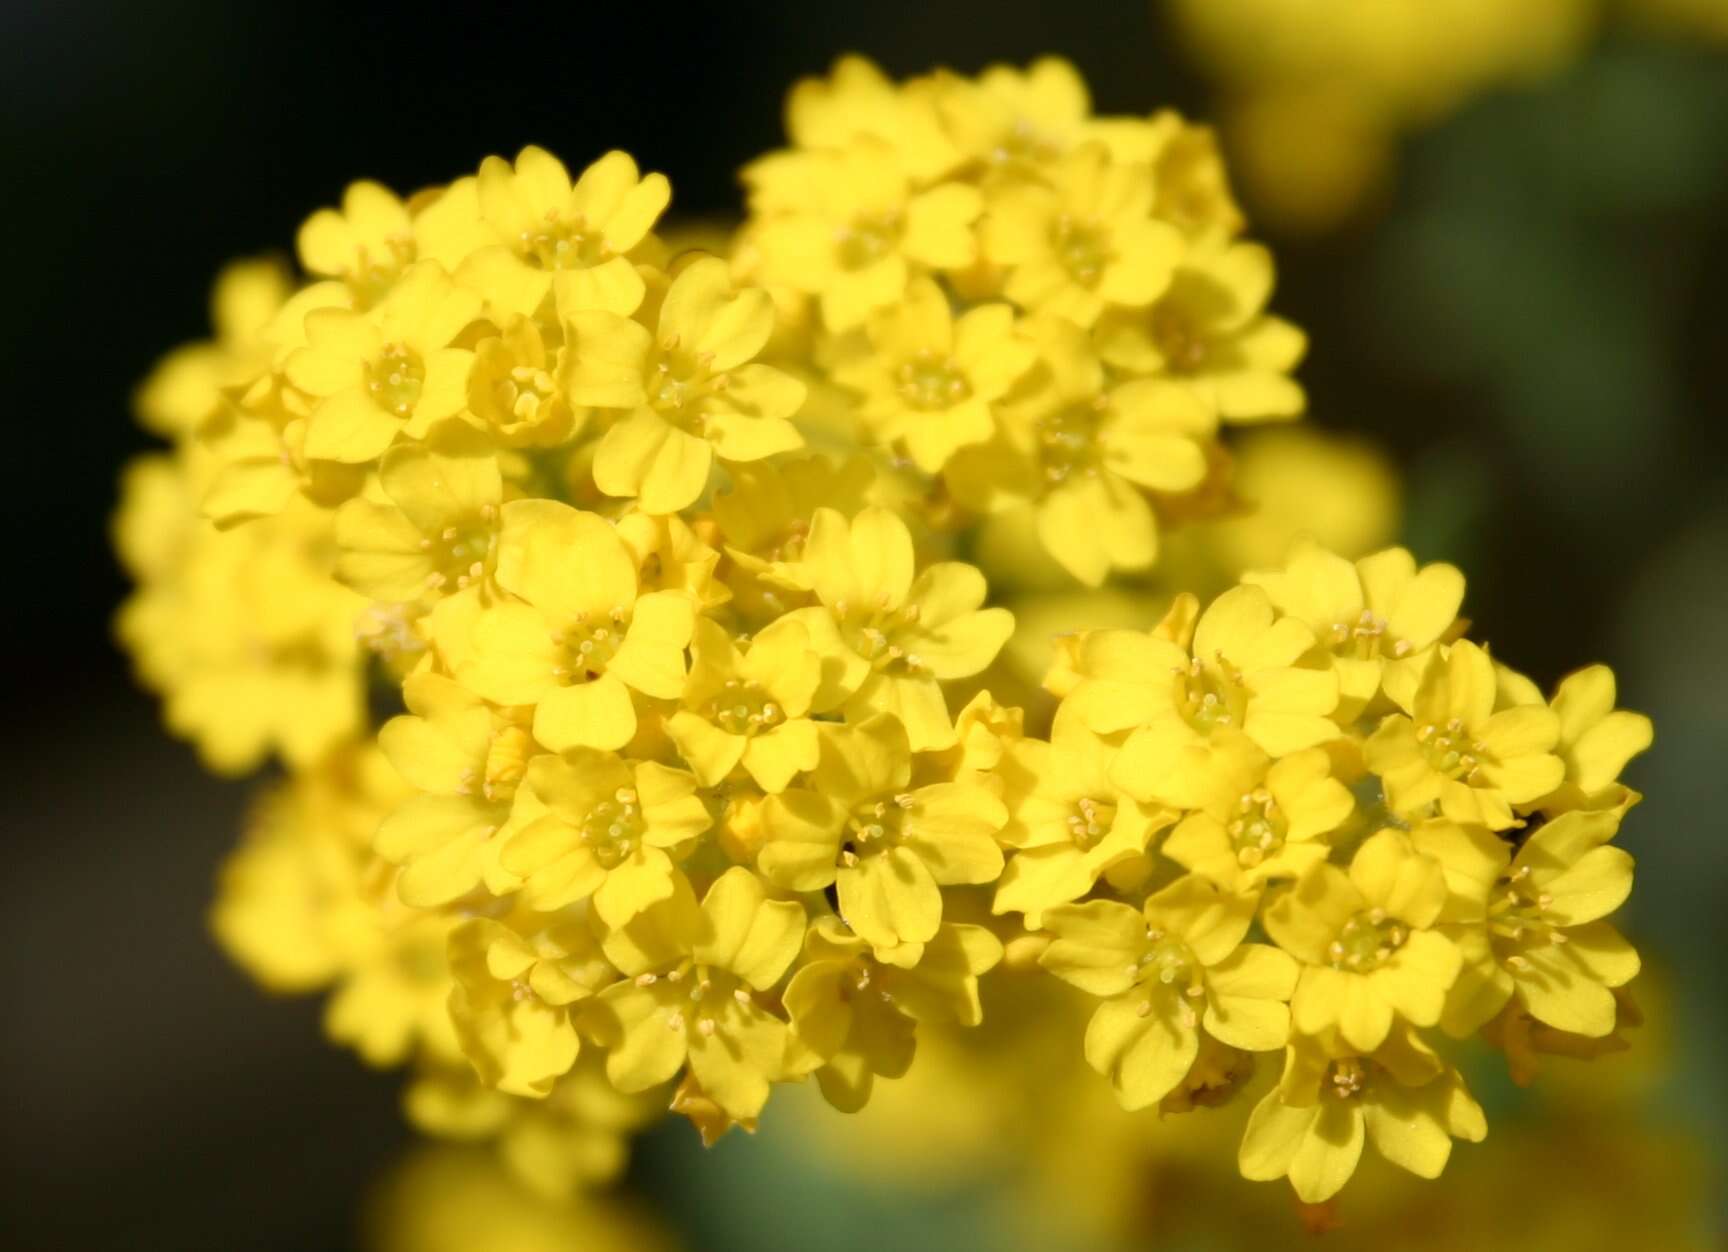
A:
(1518, 292)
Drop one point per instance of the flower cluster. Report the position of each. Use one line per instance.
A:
(690, 780)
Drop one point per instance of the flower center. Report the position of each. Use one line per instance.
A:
(712, 992)
(873, 637)
(1367, 941)
(1346, 1079)
(868, 240)
(1082, 249)
(613, 827)
(1090, 821)
(1366, 638)
(562, 244)
(744, 709)
(394, 378)
(1258, 829)
(462, 554)
(1210, 697)
(1518, 915)
(374, 273)
(1183, 348)
(1168, 965)
(1449, 750)
(930, 383)
(679, 380)
(872, 827)
(1068, 441)
(588, 647)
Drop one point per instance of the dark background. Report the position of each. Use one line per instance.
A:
(1537, 328)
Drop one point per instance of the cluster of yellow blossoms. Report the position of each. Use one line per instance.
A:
(689, 779)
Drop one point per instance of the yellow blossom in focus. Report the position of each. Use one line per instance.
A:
(1375, 614)
(1368, 942)
(521, 231)
(514, 983)
(576, 639)
(1529, 924)
(888, 637)
(1165, 972)
(1068, 822)
(858, 1015)
(696, 977)
(1451, 749)
(435, 530)
(603, 827)
(749, 708)
(1240, 674)
(1086, 454)
(691, 389)
(1333, 1097)
(929, 380)
(888, 846)
(1261, 820)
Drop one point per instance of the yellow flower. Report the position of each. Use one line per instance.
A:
(578, 639)
(1067, 821)
(845, 225)
(466, 759)
(601, 827)
(1086, 453)
(1009, 117)
(749, 708)
(929, 380)
(1188, 170)
(1530, 925)
(1261, 820)
(1164, 973)
(765, 517)
(694, 974)
(887, 846)
(435, 531)
(519, 386)
(1595, 742)
(1241, 674)
(579, 1135)
(389, 372)
(251, 643)
(1451, 748)
(891, 639)
(518, 232)
(303, 904)
(1377, 614)
(515, 981)
(1340, 491)
(1211, 331)
(1333, 1096)
(858, 100)
(1368, 941)
(692, 391)
(292, 907)
(858, 1016)
(1083, 239)
(367, 244)
(187, 386)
